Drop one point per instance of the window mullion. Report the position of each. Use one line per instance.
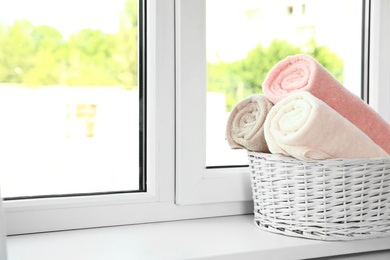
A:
(379, 65)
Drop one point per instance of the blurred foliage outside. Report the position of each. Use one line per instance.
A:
(244, 77)
(36, 56)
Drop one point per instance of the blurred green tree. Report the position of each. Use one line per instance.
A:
(41, 56)
(17, 48)
(90, 61)
(241, 78)
(126, 41)
(48, 56)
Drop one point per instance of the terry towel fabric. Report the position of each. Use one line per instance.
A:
(244, 129)
(303, 73)
(305, 127)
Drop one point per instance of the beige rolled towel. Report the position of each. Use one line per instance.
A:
(244, 129)
(305, 127)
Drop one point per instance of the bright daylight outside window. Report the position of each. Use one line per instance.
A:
(246, 38)
(69, 97)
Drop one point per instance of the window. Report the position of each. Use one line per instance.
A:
(241, 49)
(69, 97)
(182, 180)
(230, 62)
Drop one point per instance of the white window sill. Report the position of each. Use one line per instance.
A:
(234, 237)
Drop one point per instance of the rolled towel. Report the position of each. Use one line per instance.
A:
(244, 129)
(305, 127)
(303, 73)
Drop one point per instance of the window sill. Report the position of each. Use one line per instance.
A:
(234, 237)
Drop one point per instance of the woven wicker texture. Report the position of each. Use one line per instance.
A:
(338, 199)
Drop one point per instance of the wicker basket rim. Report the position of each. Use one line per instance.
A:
(272, 156)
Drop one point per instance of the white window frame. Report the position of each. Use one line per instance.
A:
(195, 183)
(379, 58)
(39, 215)
(158, 203)
(179, 185)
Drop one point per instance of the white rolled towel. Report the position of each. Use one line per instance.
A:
(244, 129)
(305, 127)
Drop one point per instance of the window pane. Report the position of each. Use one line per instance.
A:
(246, 38)
(69, 97)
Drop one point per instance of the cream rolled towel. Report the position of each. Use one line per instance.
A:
(305, 127)
(244, 129)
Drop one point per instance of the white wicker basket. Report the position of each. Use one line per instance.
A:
(338, 199)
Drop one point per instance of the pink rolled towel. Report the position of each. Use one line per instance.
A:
(244, 129)
(303, 73)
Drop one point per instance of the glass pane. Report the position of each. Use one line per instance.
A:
(69, 97)
(246, 38)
